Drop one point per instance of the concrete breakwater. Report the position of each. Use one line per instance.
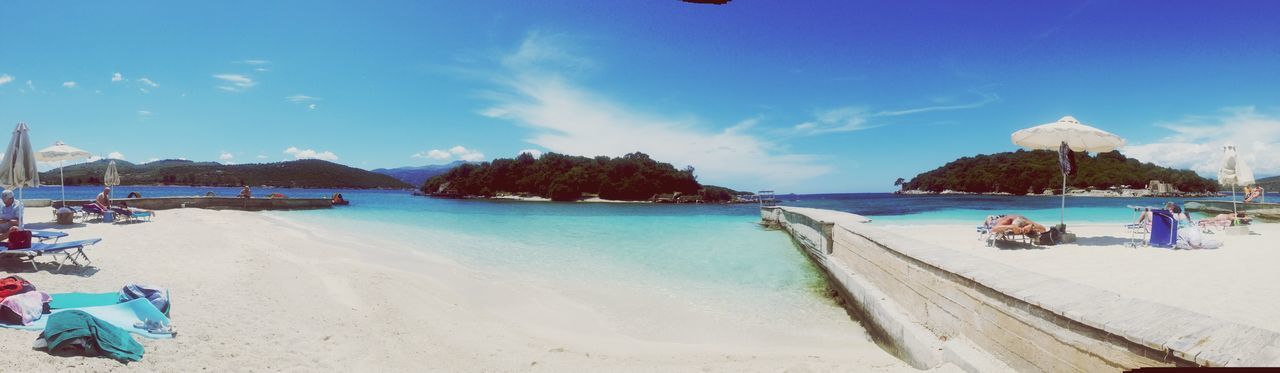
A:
(931, 305)
(214, 203)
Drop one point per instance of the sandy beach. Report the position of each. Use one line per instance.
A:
(1236, 282)
(257, 292)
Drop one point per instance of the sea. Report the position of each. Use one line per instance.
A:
(711, 258)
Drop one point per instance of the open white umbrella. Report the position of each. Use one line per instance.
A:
(112, 177)
(60, 153)
(1234, 172)
(18, 169)
(1069, 131)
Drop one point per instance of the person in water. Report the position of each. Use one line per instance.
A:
(337, 199)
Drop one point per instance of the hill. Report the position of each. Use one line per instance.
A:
(306, 173)
(633, 177)
(1025, 171)
(420, 174)
(1270, 184)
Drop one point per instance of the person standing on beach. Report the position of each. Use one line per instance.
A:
(10, 214)
(245, 193)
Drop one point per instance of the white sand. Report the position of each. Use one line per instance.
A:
(253, 292)
(1238, 282)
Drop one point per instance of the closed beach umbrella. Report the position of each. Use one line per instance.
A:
(1234, 172)
(112, 177)
(60, 153)
(18, 169)
(1065, 135)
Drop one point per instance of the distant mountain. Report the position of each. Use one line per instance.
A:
(1024, 171)
(306, 173)
(1270, 184)
(416, 176)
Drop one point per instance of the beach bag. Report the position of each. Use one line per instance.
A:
(14, 285)
(1050, 238)
(20, 240)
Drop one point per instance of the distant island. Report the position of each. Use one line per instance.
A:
(1037, 172)
(306, 173)
(417, 175)
(1270, 184)
(559, 177)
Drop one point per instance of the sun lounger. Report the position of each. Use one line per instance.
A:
(124, 315)
(72, 252)
(130, 215)
(90, 209)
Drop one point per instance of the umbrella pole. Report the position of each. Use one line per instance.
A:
(1233, 200)
(1062, 219)
(63, 178)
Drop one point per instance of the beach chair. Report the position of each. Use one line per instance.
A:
(71, 252)
(1164, 229)
(130, 215)
(91, 209)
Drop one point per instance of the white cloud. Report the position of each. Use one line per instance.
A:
(311, 107)
(225, 156)
(534, 152)
(572, 120)
(301, 98)
(261, 69)
(461, 152)
(93, 158)
(144, 113)
(235, 82)
(69, 84)
(149, 160)
(148, 82)
(310, 154)
(1196, 142)
(855, 118)
(5, 79)
(31, 86)
(261, 156)
(115, 155)
(253, 62)
(433, 154)
(116, 77)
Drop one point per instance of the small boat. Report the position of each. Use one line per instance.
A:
(1263, 211)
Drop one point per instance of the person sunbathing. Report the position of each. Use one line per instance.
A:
(1017, 224)
(1225, 220)
(1253, 194)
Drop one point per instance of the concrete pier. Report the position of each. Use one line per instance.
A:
(930, 305)
(214, 203)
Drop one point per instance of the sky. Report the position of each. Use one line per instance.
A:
(795, 96)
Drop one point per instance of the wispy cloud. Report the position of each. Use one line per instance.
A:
(144, 113)
(235, 82)
(148, 82)
(469, 155)
(252, 62)
(5, 79)
(300, 98)
(569, 119)
(116, 77)
(855, 118)
(115, 155)
(1196, 142)
(311, 154)
(69, 84)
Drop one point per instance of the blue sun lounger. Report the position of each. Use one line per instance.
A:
(72, 252)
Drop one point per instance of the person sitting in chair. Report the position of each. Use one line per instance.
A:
(10, 215)
(104, 199)
(1252, 194)
(1178, 214)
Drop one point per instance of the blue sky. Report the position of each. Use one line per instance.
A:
(801, 96)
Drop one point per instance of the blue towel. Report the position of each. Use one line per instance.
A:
(123, 315)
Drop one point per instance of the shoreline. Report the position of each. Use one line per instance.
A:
(343, 300)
